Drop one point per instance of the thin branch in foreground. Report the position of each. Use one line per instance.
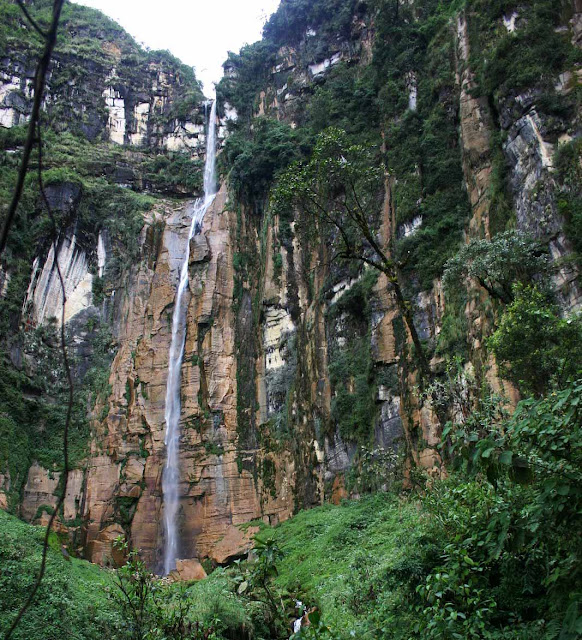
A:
(39, 86)
(31, 20)
(66, 364)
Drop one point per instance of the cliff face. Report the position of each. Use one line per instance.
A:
(308, 318)
(101, 84)
(125, 468)
(298, 383)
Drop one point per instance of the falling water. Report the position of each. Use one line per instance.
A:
(171, 475)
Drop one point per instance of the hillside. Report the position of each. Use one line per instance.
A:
(379, 321)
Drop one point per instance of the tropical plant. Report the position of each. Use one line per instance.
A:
(498, 263)
(534, 345)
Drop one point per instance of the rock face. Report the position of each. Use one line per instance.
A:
(188, 571)
(126, 467)
(529, 149)
(40, 489)
(278, 334)
(531, 157)
(102, 85)
(476, 129)
(4, 489)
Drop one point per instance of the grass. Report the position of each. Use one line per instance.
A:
(333, 556)
(72, 601)
(361, 564)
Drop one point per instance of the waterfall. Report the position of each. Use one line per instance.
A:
(171, 476)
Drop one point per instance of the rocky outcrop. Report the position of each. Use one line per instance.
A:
(535, 193)
(40, 494)
(102, 85)
(126, 465)
(476, 127)
(188, 571)
(4, 489)
(528, 154)
(45, 294)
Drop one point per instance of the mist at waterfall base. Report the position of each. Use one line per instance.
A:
(171, 475)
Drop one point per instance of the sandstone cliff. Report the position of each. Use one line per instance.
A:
(298, 380)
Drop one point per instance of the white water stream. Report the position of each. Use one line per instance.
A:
(171, 476)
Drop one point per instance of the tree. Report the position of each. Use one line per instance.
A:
(149, 610)
(339, 187)
(497, 264)
(134, 594)
(534, 345)
(258, 580)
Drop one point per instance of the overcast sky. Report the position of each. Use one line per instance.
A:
(198, 32)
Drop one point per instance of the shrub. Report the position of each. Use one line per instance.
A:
(293, 17)
(71, 602)
(254, 160)
(534, 345)
(497, 264)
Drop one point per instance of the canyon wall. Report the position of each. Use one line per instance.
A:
(298, 384)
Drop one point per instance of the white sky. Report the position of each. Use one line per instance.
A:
(199, 32)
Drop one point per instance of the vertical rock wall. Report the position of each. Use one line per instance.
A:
(267, 323)
(126, 465)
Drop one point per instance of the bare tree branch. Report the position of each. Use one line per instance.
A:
(31, 20)
(66, 364)
(34, 134)
(39, 86)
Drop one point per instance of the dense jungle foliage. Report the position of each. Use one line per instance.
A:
(491, 552)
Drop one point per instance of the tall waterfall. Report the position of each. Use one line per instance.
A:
(171, 477)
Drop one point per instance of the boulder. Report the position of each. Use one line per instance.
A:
(102, 550)
(188, 571)
(234, 544)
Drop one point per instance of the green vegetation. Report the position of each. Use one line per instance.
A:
(249, 72)
(72, 601)
(491, 553)
(351, 370)
(80, 600)
(173, 173)
(346, 100)
(255, 159)
(422, 150)
(498, 264)
(351, 375)
(33, 404)
(507, 63)
(537, 348)
(290, 22)
(569, 169)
